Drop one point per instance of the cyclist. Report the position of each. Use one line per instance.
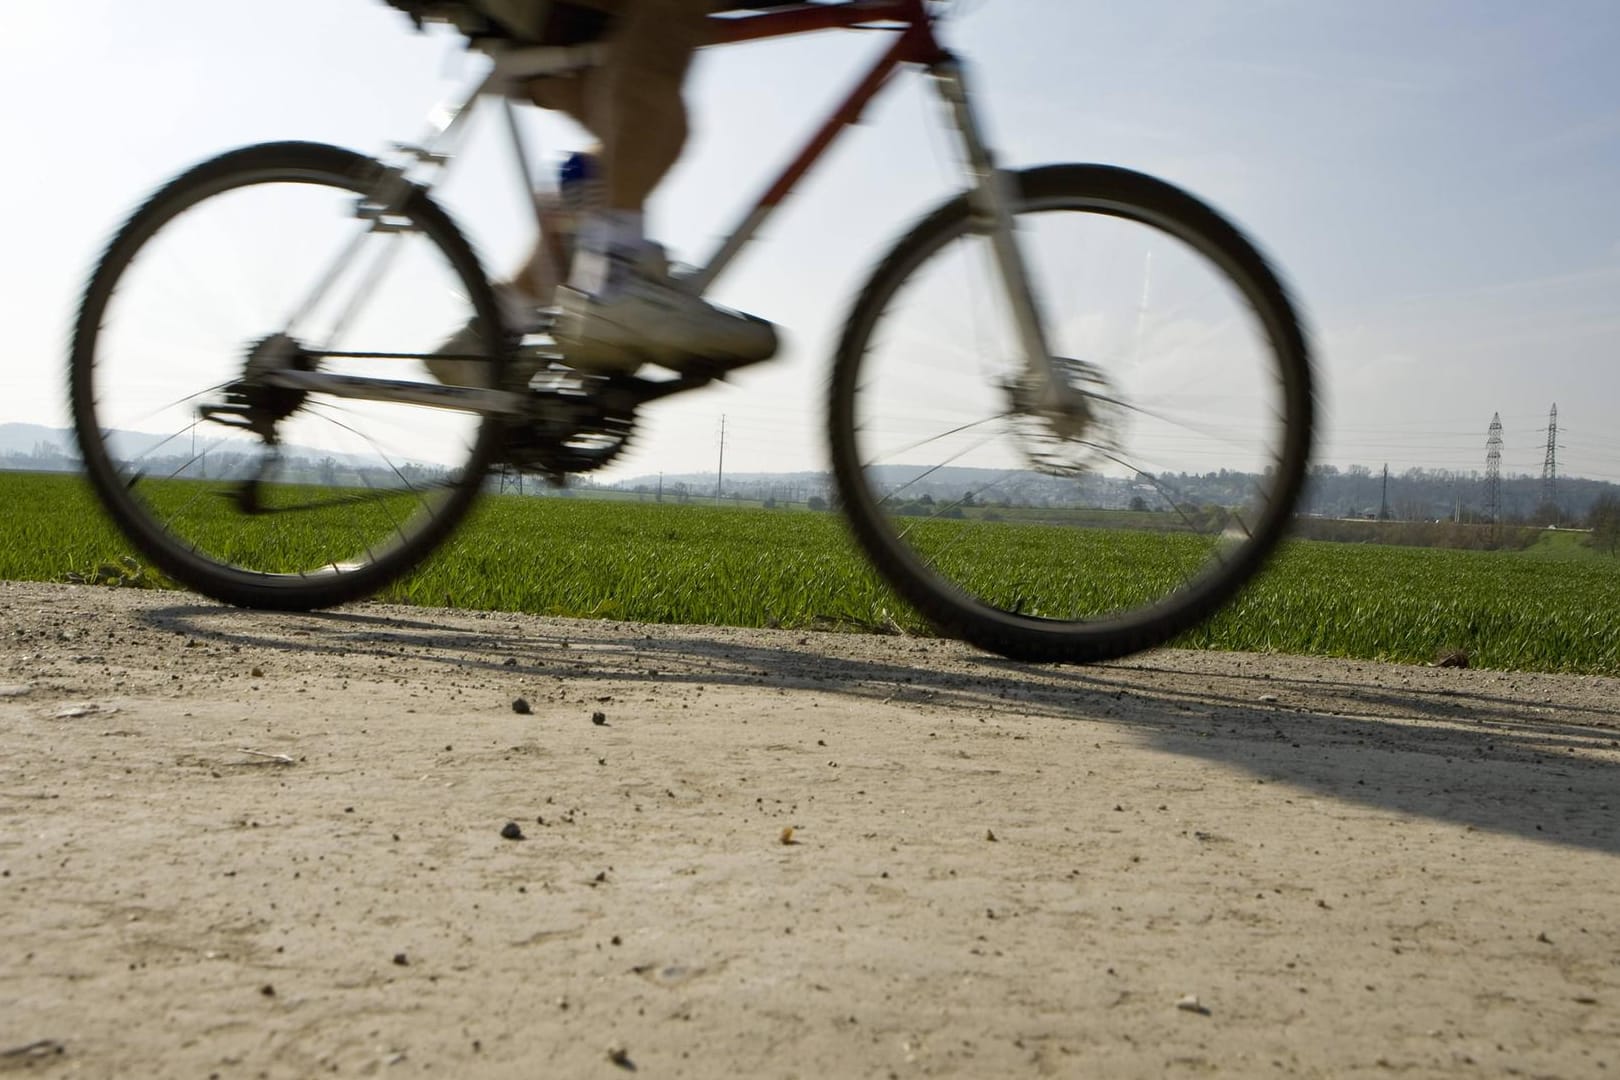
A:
(618, 306)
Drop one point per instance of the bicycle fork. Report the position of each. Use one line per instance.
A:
(991, 198)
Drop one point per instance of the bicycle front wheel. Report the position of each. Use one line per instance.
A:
(1106, 502)
(261, 266)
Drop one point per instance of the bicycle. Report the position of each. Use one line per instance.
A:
(1124, 464)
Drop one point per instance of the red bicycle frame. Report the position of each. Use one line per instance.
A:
(915, 43)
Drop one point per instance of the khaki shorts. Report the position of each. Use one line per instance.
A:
(547, 22)
(528, 22)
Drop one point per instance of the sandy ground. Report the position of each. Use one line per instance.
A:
(251, 845)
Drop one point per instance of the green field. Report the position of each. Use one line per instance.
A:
(1554, 607)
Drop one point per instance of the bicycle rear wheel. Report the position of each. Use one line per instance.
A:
(1093, 528)
(276, 259)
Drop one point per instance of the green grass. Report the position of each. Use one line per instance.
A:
(655, 563)
(1565, 545)
(1555, 607)
(1507, 610)
(51, 526)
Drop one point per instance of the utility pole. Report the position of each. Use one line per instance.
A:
(720, 470)
(1383, 500)
(660, 497)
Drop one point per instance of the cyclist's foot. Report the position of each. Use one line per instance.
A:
(643, 317)
(519, 315)
(458, 359)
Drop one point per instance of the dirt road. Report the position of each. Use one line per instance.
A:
(250, 845)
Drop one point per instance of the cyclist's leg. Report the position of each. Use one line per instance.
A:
(582, 96)
(620, 307)
(634, 106)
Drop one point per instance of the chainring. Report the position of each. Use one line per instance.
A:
(576, 423)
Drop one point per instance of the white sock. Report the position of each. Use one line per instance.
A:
(604, 235)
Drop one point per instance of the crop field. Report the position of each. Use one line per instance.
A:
(757, 567)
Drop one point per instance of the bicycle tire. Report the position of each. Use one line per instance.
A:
(1111, 200)
(409, 506)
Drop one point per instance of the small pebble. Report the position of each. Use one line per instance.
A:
(520, 706)
(511, 831)
(401, 959)
(599, 718)
(1191, 1004)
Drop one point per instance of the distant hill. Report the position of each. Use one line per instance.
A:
(1412, 495)
(23, 438)
(949, 484)
(33, 446)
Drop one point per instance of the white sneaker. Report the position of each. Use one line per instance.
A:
(649, 319)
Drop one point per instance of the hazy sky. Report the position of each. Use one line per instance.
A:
(1438, 179)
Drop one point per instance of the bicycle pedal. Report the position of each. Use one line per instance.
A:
(539, 324)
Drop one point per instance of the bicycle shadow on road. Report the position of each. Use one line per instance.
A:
(1488, 750)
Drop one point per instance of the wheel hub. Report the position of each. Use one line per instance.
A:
(1069, 433)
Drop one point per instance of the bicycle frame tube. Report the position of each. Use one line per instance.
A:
(991, 201)
(460, 398)
(915, 44)
(990, 194)
(446, 125)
